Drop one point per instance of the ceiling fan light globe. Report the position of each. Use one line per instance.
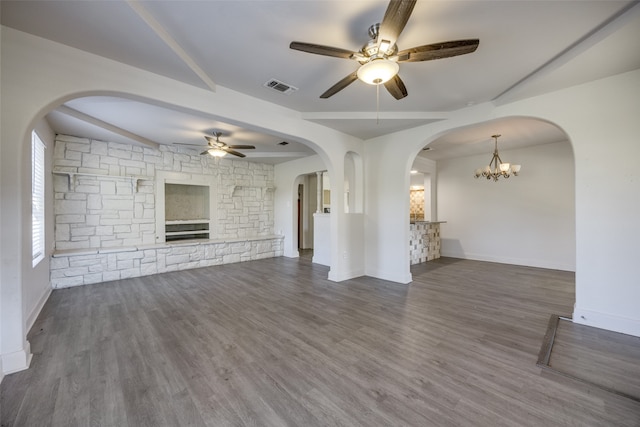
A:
(378, 71)
(216, 152)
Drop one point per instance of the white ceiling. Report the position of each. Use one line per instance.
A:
(526, 48)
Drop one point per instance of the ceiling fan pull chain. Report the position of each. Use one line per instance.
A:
(378, 104)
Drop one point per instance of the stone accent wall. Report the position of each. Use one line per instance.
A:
(107, 197)
(105, 210)
(83, 267)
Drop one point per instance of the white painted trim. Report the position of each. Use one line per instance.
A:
(506, 260)
(16, 361)
(606, 321)
(31, 319)
(345, 275)
(392, 276)
(107, 126)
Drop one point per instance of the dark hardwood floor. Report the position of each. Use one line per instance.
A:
(273, 343)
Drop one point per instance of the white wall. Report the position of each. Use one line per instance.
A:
(523, 220)
(322, 239)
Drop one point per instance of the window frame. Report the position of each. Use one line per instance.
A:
(38, 148)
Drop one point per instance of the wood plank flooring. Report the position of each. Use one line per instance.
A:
(584, 353)
(273, 343)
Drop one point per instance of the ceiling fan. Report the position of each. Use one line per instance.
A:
(379, 57)
(217, 148)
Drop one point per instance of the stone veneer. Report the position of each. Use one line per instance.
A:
(424, 241)
(83, 267)
(105, 211)
(416, 205)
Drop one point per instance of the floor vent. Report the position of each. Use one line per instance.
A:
(277, 85)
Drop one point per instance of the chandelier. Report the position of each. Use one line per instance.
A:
(496, 168)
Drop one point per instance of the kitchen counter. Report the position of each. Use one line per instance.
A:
(424, 241)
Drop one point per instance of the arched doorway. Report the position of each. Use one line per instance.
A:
(527, 219)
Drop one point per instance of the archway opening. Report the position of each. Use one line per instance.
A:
(528, 219)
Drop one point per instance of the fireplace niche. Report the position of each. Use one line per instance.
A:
(185, 207)
(186, 212)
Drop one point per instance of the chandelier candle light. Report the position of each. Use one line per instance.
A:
(496, 168)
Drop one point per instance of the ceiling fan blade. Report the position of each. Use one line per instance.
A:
(340, 85)
(204, 152)
(235, 153)
(396, 87)
(429, 52)
(395, 19)
(321, 50)
(242, 147)
(184, 143)
(211, 140)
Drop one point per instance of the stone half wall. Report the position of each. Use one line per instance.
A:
(84, 267)
(424, 241)
(105, 211)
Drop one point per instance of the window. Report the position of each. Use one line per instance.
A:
(37, 198)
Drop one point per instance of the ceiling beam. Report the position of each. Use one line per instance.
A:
(360, 115)
(276, 154)
(599, 33)
(169, 41)
(107, 126)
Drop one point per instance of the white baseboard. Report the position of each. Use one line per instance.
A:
(31, 319)
(403, 278)
(513, 261)
(607, 321)
(319, 260)
(16, 361)
(344, 275)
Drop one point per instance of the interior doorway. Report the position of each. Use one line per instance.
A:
(306, 189)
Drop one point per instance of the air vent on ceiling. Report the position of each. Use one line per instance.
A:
(280, 86)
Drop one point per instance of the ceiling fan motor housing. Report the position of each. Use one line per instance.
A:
(370, 49)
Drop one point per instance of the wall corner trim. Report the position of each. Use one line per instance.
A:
(16, 361)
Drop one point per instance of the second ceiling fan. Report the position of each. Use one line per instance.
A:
(217, 148)
(379, 57)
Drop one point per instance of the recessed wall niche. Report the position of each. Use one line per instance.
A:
(186, 211)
